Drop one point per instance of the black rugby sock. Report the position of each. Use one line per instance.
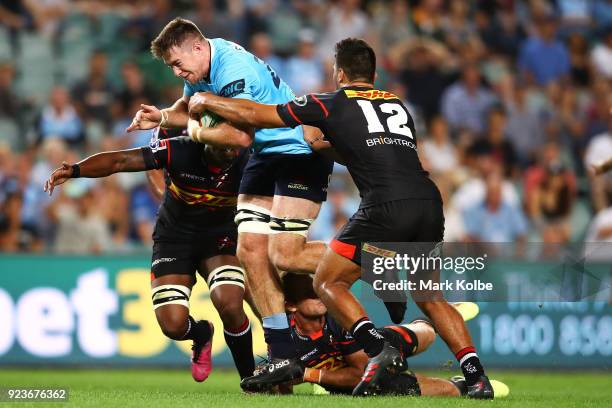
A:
(198, 331)
(240, 342)
(366, 335)
(470, 364)
(280, 343)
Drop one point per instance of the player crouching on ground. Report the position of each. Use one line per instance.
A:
(194, 231)
(335, 361)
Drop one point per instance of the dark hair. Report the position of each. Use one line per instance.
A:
(173, 34)
(357, 59)
(298, 287)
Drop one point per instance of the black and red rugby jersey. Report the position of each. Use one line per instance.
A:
(374, 134)
(198, 194)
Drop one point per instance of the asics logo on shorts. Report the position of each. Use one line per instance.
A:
(162, 260)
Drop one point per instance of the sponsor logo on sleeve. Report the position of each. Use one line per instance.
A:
(232, 89)
(157, 145)
(301, 100)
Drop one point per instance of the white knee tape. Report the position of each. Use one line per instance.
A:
(170, 295)
(252, 218)
(226, 275)
(291, 225)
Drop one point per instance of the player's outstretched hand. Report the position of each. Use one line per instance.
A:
(147, 117)
(59, 176)
(197, 105)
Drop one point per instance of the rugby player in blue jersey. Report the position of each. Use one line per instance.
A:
(283, 184)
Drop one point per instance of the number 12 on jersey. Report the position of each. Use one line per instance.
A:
(396, 123)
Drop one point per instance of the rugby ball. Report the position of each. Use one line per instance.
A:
(207, 120)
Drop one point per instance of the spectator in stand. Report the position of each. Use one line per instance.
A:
(429, 19)
(304, 71)
(497, 144)
(480, 164)
(523, 127)
(580, 67)
(34, 217)
(601, 54)
(10, 221)
(93, 95)
(438, 150)
(9, 101)
(59, 118)
(600, 229)
(344, 19)
(543, 58)
(47, 15)
(214, 22)
(261, 47)
(81, 228)
(502, 32)
(456, 27)
(113, 201)
(493, 219)
(466, 102)
(143, 211)
(550, 192)
(393, 24)
(134, 86)
(598, 150)
(424, 69)
(15, 16)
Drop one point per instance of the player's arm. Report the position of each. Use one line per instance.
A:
(316, 139)
(345, 377)
(99, 165)
(222, 135)
(156, 182)
(242, 112)
(149, 116)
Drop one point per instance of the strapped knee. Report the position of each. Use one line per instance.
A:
(170, 295)
(291, 225)
(252, 218)
(226, 275)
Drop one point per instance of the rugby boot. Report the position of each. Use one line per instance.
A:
(277, 371)
(482, 389)
(459, 382)
(388, 362)
(201, 358)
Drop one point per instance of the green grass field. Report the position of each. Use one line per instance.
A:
(176, 389)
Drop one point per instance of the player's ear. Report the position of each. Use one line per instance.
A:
(290, 307)
(340, 76)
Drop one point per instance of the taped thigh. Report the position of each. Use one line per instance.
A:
(252, 218)
(297, 226)
(170, 295)
(226, 275)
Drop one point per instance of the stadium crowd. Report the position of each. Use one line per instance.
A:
(511, 100)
